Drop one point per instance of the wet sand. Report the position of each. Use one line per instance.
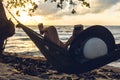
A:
(23, 67)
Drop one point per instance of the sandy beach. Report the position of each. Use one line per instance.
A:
(20, 67)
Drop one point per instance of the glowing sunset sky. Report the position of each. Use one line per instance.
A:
(103, 12)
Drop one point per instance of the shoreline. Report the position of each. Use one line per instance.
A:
(34, 68)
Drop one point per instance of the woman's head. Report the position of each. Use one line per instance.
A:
(77, 30)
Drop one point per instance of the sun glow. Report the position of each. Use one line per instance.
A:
(26, 17)
(23, 15)
(29, 20)
(92, 16)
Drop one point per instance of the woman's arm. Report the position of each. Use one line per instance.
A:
(65, 45)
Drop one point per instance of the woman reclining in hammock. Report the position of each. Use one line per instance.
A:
(51, 34)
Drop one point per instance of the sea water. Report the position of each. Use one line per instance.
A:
(20, 43)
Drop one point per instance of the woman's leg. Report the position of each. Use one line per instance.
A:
(50, 33)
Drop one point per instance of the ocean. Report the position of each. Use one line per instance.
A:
(20, 43)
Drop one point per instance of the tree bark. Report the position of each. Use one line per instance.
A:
(3, 18)
(6, 27)
(2, 23)
(2, 11)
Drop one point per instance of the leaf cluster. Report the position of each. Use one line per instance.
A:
(71, 2)
(22, 4)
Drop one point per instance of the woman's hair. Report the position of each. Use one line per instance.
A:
(78, 27)
(77, 30)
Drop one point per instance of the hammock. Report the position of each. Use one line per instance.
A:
(72, 60)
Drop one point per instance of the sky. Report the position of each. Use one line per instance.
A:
(101, 12)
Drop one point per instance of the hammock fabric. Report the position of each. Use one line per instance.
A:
(65, 60)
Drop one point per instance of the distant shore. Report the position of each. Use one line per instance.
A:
(34, 68)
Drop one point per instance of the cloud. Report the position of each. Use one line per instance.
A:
(48, 8)
(101, 5)
(116, 8)
(97, 6)
(50, 12)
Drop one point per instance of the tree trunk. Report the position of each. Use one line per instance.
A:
(2, 12)
(6, 27)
